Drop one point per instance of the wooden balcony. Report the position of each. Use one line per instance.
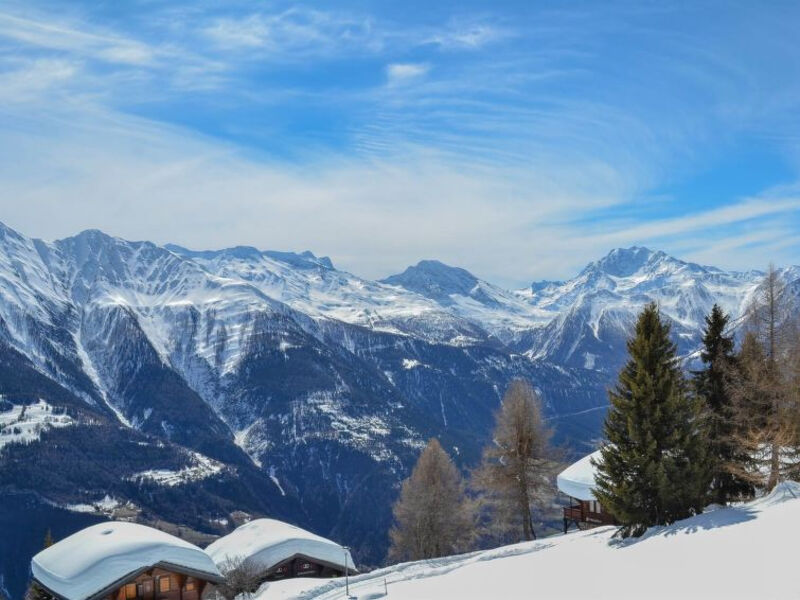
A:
(583, 517)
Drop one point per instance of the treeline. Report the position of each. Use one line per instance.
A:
(675, 441)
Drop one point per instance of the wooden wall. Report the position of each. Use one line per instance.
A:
(302, 567)
(160, 584)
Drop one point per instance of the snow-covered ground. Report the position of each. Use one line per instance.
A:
(201, 467)
(24, 424)
(104, 506)
(746, 551)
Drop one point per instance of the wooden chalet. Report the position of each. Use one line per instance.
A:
(280, 551)
(577, 482)
(124, 561)
(165, 582)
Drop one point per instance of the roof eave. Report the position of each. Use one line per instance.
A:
(211, 577)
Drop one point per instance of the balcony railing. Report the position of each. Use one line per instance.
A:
(581, 514)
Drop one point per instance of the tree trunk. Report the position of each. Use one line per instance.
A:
(775, 466)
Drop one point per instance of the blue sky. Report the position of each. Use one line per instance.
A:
(517, 139)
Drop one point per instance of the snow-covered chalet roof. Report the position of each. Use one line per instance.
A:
(93, 561)
(577, 480)
(268, 542)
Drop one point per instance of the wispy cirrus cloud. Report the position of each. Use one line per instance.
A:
(294, 32)
(470, 33)
(61, 36)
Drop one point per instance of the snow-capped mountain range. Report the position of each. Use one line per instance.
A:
(308, 389)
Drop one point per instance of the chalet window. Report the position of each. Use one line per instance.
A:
(189, 586)
(163, 584)
(130, 591)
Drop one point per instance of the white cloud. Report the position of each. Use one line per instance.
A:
(292, 34)
(26, 80)
(45, 32)
(89, 60)
(143, 180)
(400, 73)
(469, 34)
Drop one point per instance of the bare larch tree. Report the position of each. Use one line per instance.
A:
(765, 386)
(516, 471)
(433, 516)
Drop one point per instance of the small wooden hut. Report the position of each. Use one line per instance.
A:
(280, 551)
(577, 482)
(124, 561)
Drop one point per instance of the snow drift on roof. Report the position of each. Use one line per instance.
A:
(94, 558)
(577, 480)
(269, 542)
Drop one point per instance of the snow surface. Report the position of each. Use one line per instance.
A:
(747, 551)
(577, 480)
(25, 424)
(88, 561)
(202, 467)
(268, 542)
(105, 506)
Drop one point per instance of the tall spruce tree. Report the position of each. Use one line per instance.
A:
(653, 470)
(713, 386)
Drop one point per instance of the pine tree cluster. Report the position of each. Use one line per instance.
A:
(674, 445)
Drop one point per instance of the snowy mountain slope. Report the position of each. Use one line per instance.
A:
(314, 287)
(594, 312)
(502, 313)
(745, 551)
(585, 321)
(324, 384)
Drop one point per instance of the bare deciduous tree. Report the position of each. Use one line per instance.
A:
(517, 467)
(242, 576)
(765, 387)
(433, 516)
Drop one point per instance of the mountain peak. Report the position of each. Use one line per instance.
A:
(435, 280)
(624, 262)
(303, 259)
(6, 231)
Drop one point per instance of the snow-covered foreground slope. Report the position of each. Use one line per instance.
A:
(746, 551)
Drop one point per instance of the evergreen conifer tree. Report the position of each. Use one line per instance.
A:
(713, 386)
(653, 470)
